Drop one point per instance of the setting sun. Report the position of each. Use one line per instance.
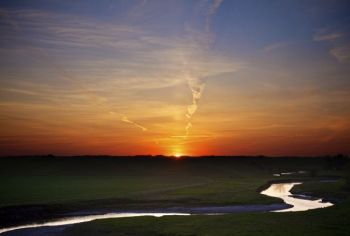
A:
(178, 152)
(201, 81)
(117, 110)
(178, 155)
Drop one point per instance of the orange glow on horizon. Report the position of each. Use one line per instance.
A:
(178, 155)
(151, 87)
(178, 152)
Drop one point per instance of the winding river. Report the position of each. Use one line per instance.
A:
(279, 190)
(299, 202)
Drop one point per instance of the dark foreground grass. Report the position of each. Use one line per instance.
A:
(331, 221)
(64, 181)
(42, 188)
(26, 181)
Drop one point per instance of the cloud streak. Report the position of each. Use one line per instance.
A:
(340, 46)
(101, 67)
(327, 37)
(276, 46)
(127, 120)
(341, 53)
(196, 83)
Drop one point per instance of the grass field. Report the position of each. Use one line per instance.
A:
(51, 186)
(330, 221)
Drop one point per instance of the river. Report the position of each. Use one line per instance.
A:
(279, 190)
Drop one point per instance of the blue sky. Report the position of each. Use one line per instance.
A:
(159, 77)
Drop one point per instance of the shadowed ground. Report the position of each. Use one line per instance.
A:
(48, 188)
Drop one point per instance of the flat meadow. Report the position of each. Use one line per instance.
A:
(39, 188)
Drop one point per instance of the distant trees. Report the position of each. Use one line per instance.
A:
(337, 162)
(348, 179)
(314, 173)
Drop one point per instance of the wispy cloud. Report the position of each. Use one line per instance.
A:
(276, 46)
(202, 40)
(341, 53)
(137, 59)
(327, 37)
(127, 120)
(101, 67)
(212, 9)
(339, 44)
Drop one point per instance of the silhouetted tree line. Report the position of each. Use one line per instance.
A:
(337, 162)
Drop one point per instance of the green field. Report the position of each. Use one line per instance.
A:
(330, 221)
(39, 187)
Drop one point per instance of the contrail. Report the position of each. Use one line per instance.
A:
(212, 9)
(126, 120)
(195, 83)
(197, 86)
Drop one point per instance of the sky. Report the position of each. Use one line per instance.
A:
(174, 77)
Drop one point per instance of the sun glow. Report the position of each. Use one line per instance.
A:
(177, 152)
(178, 155)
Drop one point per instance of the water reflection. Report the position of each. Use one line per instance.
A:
(81, 219)
(282, 190)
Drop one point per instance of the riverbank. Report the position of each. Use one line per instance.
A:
(63, 186)
(333, 221)
(78, 217)
(280, 190)
(47, 188)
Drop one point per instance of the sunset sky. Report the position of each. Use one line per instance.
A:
(206, 77)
